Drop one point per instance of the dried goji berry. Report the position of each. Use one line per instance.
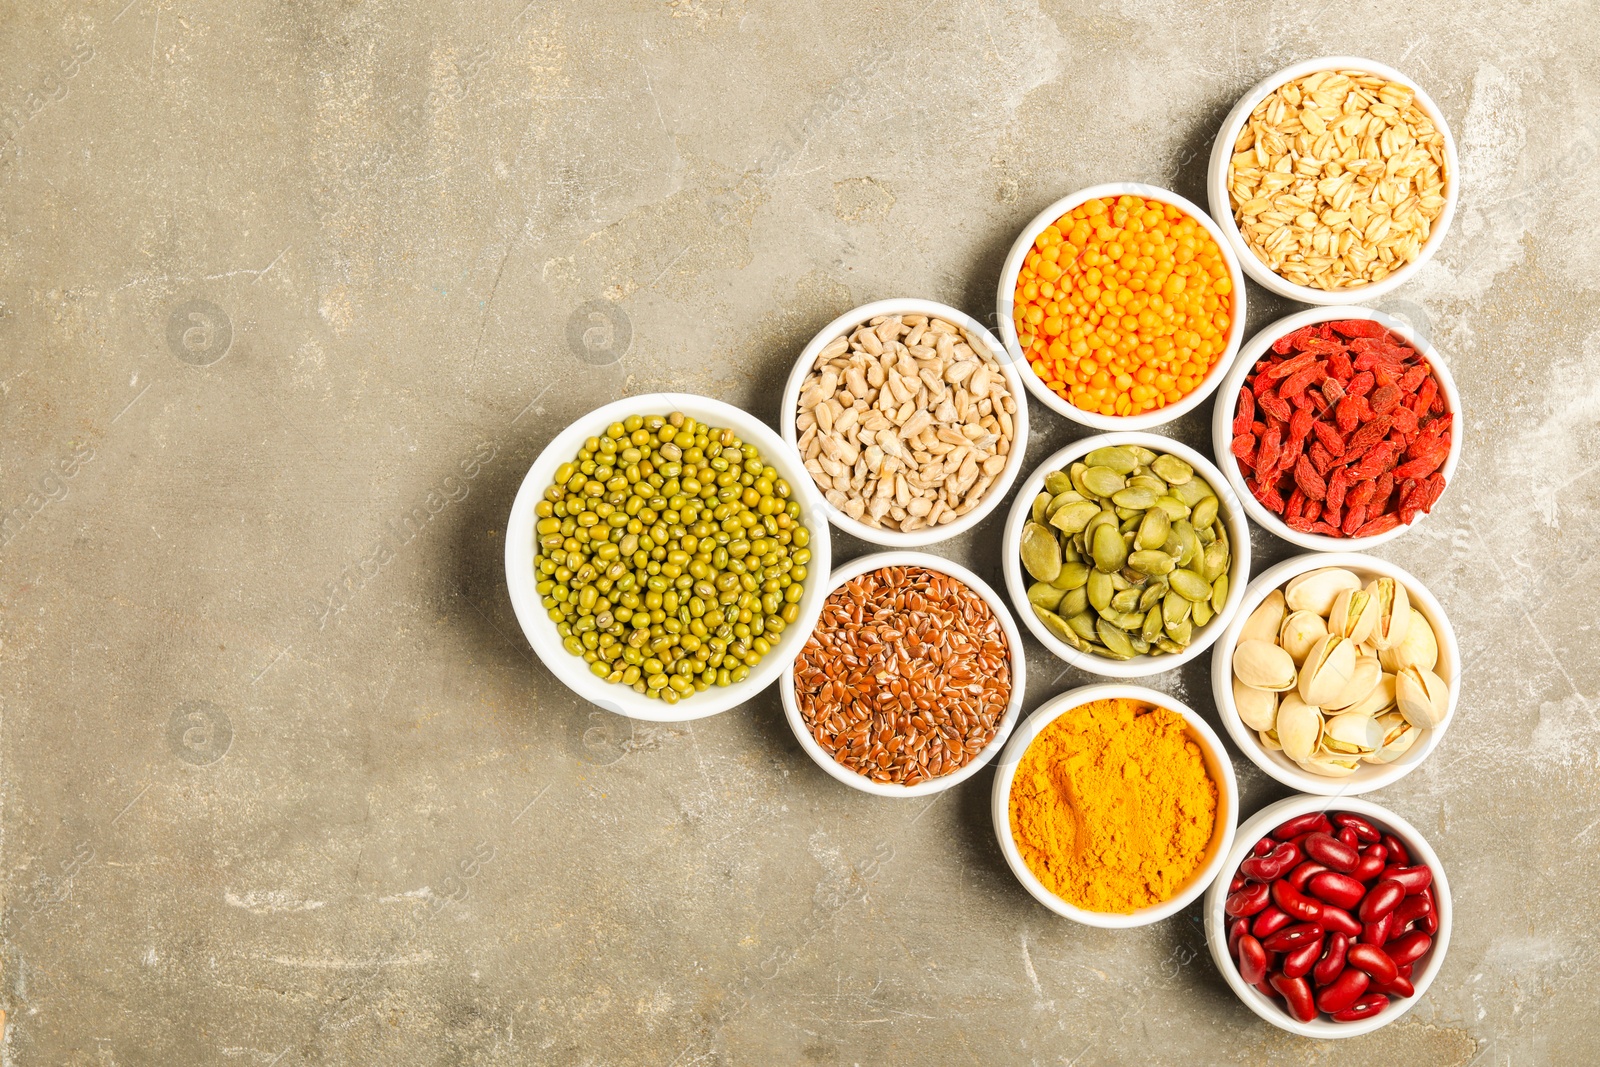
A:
(1308, 479)
(1360, 385)
(1299, 427)
(1412, 378)
(1405, 420)
(1347, 414)
(1379, 525)
(1296, 383)
(1330, 438)
(1360, 494)
(1353, 520)
(1383, 399)
(1269, 496)
(1358, 328)
(1293, 340)
(1339, 365)
(1244, 449)
(1298, 523)
(1435, 484)
(1332, 390)
(1366, 437)
(1297, 504)
(1274, 405)
(1338, 483)
(1382, 491)
(1325, 528)
(1267, 458)
(1422, 466)
(1292, 366)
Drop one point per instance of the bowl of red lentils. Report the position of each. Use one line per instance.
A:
(911, 680)
(1125, 304)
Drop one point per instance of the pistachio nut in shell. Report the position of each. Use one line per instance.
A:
(1317, 590)
(1354, 615)
(1263, 665)
(1380, 699)
(1258, 708)
(1299, 727)
(1269, 740)
(1327, 670)
(1301, 631)
(1264, 622)
(1352, 735)
(1398, 736)
(1330, 766)
(1363, 680)
(1422, 697)
(1394, 612)
(1419, 647)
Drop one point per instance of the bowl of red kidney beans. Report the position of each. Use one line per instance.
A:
(1331, 917)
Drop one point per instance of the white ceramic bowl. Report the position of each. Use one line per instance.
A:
(535, 620)
(1222, 208)
(1017, 581)
(1217, 765)
(1228, 403)
(1014, 380)
(1369, 776)
(1005, 305)
(1258, 826)
(1013, 709)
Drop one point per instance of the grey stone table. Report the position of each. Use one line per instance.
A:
(292, 295)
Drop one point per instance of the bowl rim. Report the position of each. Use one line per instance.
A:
(1233, 515)
(1005, 305)
(1277, 765)
(1019, 670)
(1222, 158)
(540, 632)
(1228, 403)
(928, 535)
(1218, 765)
(1216, 928)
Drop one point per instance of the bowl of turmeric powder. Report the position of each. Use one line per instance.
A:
(1115, 805)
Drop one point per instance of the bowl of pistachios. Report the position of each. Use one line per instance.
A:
(1126, 554)
(1339, 674)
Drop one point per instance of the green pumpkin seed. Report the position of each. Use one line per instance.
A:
(1058, 626)
(1135, 498)
(1084, 625)
(1126, 600)
(1153, 529)
(1100, 589)
(1109, 549)
(1115, 640)
(1045, 595)
(1153, 626)
(1148, 481)
(1167, 644)
(1057, 482)
(1075, 472)
(1095, 523)
(1172, 470)
(1189, 585)
(1117, 458)
(1193, 491)
(1206, 534)
(1119, 581)
(1175, 607)
(1219, 592)
(1202, 613)
(1153, 592)
(1205, 513)
(1070, 553)
(1141, 647)
(1041, 552)
(1142, 454)
(1040, 502)
(1073, 517)
(1072, 576)
(1103, 481)
(1151, 561)
(1181, 632)
(1076, 602)
(1214, 561)
(1175, 508)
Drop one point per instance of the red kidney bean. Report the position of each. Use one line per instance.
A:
(1270, 922)
(1333, 918)
(1411, 909)
(1404, 970)
(1380, 900)
(1302, 874)
(1374, 961)
(1262, 847)
(1297, 995)
(1377, 933)
(1292, 937)
(1332, 962)
(1249, 900)
(1415, 879)
(1272, 866)
(1400, 987)
(1236, 884)
(1252, 960)
(1397, 852)
(1365, 1008)
(1340, 890)
(1236, 929)
(1298, 962)
(1267, 990)
(1343, 991)
(1371, 864)
(1295, 903)
(1333, 852)
(1348, 836)
(1364, 829)
(1408, 947)
(1310, 822)
(1429, 923)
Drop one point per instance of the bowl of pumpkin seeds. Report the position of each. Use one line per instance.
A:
(1127, 554)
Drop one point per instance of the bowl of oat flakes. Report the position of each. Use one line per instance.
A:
(1334, 180)
(911, 420)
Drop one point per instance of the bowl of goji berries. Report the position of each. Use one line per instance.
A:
(1338, 427)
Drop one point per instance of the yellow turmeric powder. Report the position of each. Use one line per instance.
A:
(1112, 806)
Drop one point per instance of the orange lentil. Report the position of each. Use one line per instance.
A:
(1124, 305)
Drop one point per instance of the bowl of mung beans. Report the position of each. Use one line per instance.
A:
(1122, 306)
(666, 556)
(911, 679)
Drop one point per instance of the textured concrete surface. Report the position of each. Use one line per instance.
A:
(281, 780)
